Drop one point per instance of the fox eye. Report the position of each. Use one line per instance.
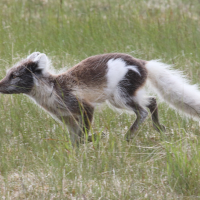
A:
(13, 76)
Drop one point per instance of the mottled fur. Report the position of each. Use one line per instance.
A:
(72, 96)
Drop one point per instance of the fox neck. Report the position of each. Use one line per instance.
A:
(43, 93)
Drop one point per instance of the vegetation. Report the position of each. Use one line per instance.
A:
(36, 159)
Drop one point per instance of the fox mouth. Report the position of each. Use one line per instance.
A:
(5, 90)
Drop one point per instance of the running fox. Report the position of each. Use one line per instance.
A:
(118, 78)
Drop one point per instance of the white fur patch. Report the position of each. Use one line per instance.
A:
(116, 72)
(117, 69)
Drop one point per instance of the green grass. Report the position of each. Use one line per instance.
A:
(36, 159)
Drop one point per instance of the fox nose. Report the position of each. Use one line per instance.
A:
(2, 86)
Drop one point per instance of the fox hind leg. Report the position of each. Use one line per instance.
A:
(141, 114)
(152, 106)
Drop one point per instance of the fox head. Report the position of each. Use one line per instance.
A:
(23, 75)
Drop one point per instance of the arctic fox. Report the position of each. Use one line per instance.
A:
(117, 78)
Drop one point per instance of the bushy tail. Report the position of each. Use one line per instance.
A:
(174, 88)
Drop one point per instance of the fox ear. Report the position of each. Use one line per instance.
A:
(39, 62)
(33, 55)
(42, 61)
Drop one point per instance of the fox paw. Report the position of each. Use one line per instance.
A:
(95, 136)
(160, 128)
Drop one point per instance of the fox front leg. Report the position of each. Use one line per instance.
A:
(79, 126)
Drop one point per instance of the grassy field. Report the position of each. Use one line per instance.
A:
(36, 160)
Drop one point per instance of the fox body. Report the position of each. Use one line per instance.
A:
(118, 78)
